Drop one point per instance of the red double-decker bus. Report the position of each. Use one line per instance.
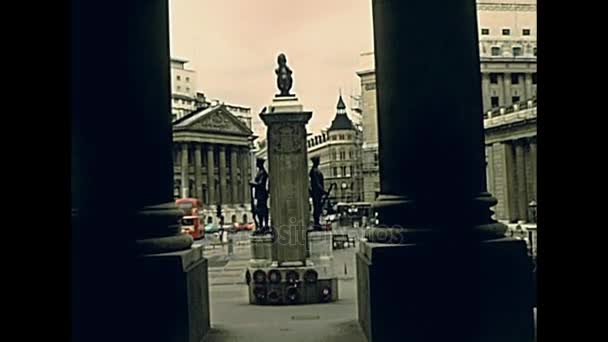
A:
(192, 222)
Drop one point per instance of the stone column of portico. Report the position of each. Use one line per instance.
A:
(223, 191)
(533, 166)
(184, 172)
(485, 87)
(507, 88)
(234, 174)
(528, 86)
(245, 175)
(520, 174)
(438, 259)
(198, 177)
(210, 174)
(123, 209)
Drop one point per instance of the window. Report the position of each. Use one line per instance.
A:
(515, 78)
(179, 77)
(517, 51)
(495, 51)
(343, 170)
(350, 154)
(351, 169)
(534, 51)
(333, 155)
(349, 137)
(515, 99)
(494, 78)
(485, 31)
(341, 136)
(187, 89)
(370, 86)
(179, 88)
(494, 101)
(506, 32)
(187, 79)
(533, 78)
(335, 172)
(525, 32)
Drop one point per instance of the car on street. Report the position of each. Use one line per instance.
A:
(243, 226)
(212, 228)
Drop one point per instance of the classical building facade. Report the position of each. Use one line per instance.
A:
(339, 150)
(507, 47)
(213, 162)
(510, 138)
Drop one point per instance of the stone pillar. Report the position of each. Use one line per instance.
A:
(223, 190)
(440, 262)
(485, 91)
(288, 178)
(528, 86)
(246, 194)
(184, 172)
(198, 167)
(511, 181)
(210, 174)
(520, 172)
(132, 268)
(507, 88)
(533, 166)
(234, 174)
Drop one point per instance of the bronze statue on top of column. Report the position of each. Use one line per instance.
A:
(284, 79)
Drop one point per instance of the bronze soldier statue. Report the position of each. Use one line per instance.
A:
(261, 197)
(317, 191)
(284, 79)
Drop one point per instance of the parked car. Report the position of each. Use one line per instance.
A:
(243, 226)
(211, 228)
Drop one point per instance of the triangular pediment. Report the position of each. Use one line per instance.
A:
(215, 120)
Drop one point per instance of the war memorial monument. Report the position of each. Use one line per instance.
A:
(291, 259)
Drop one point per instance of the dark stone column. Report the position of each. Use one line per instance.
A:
(185, 172)
(432, 163)
(123, 208)
(441, 269)
(246, 195)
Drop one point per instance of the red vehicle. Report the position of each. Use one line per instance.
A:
(243, 226)
(192, 222)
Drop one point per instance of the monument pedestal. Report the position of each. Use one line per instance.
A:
(261, 250)
(173, 296)
(453, 291)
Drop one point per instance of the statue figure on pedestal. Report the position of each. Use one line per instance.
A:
(317, 191)
(284, 79)
(260, 207)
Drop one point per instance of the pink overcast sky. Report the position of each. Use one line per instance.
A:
(233, 46)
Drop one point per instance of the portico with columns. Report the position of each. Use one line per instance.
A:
(212, 162)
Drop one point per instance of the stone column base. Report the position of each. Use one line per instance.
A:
(173, 296)
(465, 291)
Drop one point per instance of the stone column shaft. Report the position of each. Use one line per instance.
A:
(533, 166)
(485, 79)
(234, 174)
(507, 88)
(520, 172)
(184, 172)
(528, 86)
(223, 190)
(246, 195)
(198, 177)
(414, 180)
(210, 175)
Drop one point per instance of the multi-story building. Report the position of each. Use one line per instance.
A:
(184, 95)
(369, 148)
(339, 151)
(507, 47)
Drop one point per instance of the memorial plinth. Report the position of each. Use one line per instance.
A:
(297, 269)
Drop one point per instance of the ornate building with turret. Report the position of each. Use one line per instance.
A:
(339, 150)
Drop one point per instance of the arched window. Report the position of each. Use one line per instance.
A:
(233, 218)
(245, 218)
